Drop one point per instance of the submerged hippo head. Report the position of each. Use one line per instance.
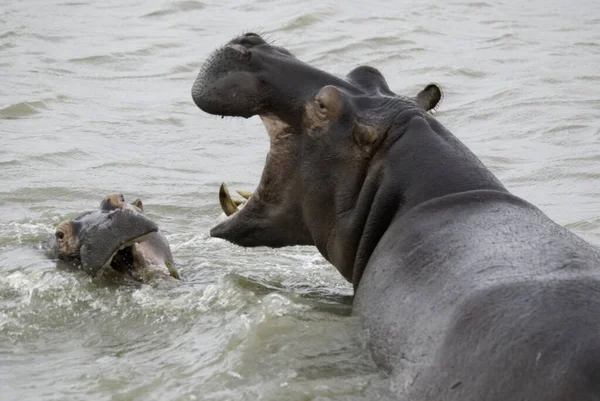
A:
(118, 235)
(328, 140)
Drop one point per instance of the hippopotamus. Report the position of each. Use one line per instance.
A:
(118, 237)
(467, 292)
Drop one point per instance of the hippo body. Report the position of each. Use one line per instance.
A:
(118, 237)
(479, 295)
(467, 292)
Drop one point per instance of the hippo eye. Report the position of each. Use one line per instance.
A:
(60, 235)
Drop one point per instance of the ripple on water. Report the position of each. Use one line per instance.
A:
(8, 34)
(93, 60)
(588, 78)
(16, 233)
(29, 108)
(306, 20)
(23, 109)
(478, 4)
(176, 7)
(163, 121)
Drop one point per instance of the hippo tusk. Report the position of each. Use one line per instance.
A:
(244, 194)
(238, 202)
(172, 271)
(227, 204)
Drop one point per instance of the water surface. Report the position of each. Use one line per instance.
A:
(95, 98)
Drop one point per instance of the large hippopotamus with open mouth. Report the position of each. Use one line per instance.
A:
(468, 293)
(118, 237)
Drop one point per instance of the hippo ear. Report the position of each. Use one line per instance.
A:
(328, 103)
(364, 136)
(430, 97)
(138, 203)
(112, 202)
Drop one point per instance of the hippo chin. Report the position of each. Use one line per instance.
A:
(118, 237)
(468, 293)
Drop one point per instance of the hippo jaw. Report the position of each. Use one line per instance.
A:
(324, 134)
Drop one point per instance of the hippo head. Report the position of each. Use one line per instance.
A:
(104, 237)
(329, 138)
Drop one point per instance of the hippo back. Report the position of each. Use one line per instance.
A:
(459, 267)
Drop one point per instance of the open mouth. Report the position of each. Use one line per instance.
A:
(123, 260)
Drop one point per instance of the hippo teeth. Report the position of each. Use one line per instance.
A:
(244, 194)
(228, 204)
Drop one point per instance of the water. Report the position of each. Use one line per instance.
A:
(95, 98)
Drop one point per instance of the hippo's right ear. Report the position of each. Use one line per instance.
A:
(430, 97)
(138, 203)
(327, 104)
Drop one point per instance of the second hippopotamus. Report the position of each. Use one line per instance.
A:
(117, 237)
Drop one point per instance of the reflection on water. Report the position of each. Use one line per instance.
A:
(96, 99)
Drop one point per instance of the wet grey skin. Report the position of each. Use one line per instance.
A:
(467, 292)
(118, 237)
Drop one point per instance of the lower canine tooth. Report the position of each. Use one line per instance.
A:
(227, 204)
(244, 194)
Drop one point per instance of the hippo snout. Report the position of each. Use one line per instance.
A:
(108, 232)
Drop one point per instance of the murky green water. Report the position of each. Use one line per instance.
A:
(95, 98)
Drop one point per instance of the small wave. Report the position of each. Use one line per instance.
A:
(588, 44)
(7, 46)
(12, 162)
(469, 72)
(584, 225)
(306, 20)
(29, 108)
(95, 60)
(588, 78)
(22, 109)
(43, 300)
(164, 121)
(61, 158)
(492, 22)
(422, 30)
(59, 71)
(190, 67)
(221, 296)
(566, 128)
(57, 194)
(52, 38)
(374, 43)
(478, 4)
(502, 38)
(175, 7)
(8, 34)
(499, 163)
(23, 232)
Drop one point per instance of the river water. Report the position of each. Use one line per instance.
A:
(95, 99)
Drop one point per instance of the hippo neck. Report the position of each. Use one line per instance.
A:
(424, 161)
